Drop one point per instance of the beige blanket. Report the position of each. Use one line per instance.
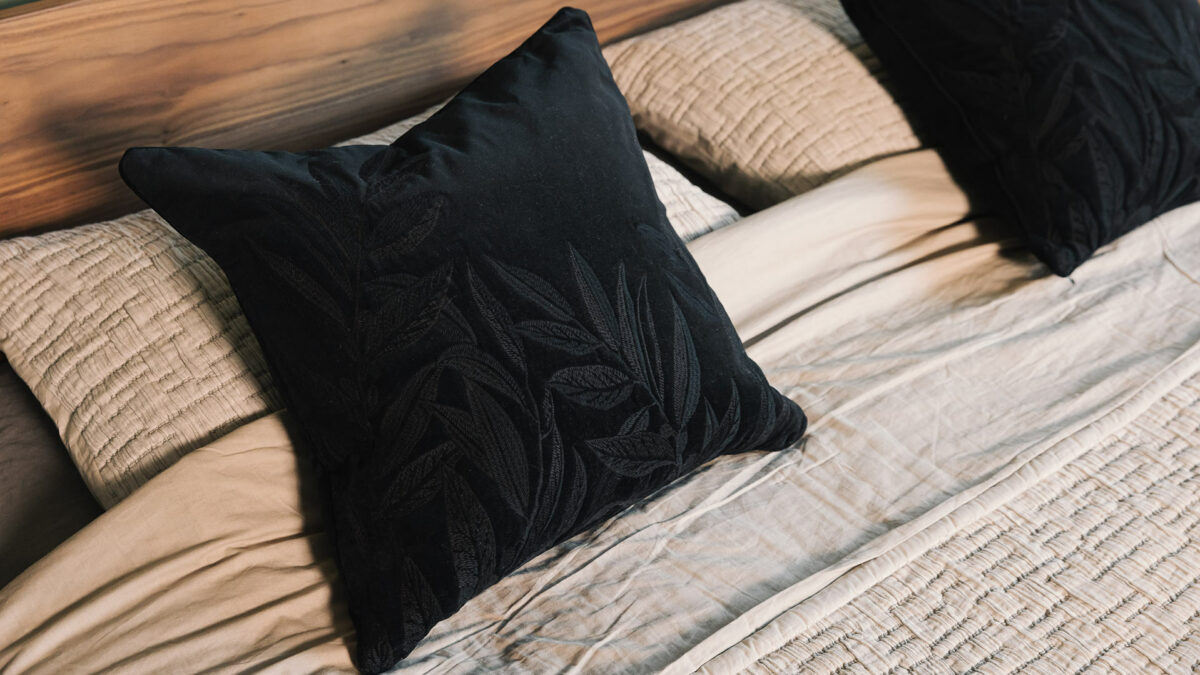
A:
(219, 563)
(1092, 569)
(942, 370)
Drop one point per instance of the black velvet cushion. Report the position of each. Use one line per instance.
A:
(1086, 112)
(488, 332)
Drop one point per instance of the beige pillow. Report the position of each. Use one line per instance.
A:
(132, 340)
(767, 98)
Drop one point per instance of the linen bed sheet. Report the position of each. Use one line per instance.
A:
(944, 372)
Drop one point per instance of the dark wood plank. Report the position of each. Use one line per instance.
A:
(82, 80)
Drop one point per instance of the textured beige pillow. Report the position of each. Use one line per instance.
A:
(132, 340)
(767, 98)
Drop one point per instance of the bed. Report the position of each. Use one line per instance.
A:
(1000, 470)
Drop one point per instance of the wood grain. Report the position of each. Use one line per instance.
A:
(82, 80)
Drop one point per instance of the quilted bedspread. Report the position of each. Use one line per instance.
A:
(1001, 471)
(1095, 566)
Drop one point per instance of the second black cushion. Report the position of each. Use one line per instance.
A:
(1083, 116)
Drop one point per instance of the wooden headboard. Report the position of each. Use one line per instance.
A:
(81, 80)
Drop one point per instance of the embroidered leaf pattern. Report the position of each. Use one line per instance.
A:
(685, 392)
(497, 319)
(562, 336)
(406, 313)
(403, 423)
(550, 490)
(323, 306)
(421, 480)
(653, 352)
(635, 454)
(636, 423)
(595, 386)
(478, 366)
(469, 430)
(412, 220)
(419, 602)
(599, 311)
(534, 289)
(630, 336)
(505, 374)
(470, 536)
(502, 445)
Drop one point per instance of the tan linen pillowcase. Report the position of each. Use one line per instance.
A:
(766, 98)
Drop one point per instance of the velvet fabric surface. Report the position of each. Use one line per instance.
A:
(44, 499)
(488, 333)
(1083, 114)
